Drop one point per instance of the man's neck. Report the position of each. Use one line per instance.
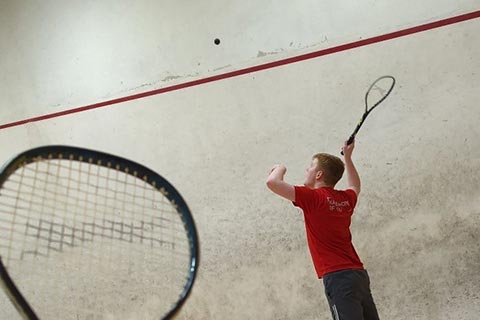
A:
(322, 185)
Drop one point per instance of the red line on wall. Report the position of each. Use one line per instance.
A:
(360, 43)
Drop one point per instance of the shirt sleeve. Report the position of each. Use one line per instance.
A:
(352, 197)
(304, 197)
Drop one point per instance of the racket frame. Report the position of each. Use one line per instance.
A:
(63, 152)
(368, 110)
(15, 296)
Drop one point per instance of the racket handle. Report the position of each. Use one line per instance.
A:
(349, 142)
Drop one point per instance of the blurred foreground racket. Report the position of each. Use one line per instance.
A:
(88, 235)
(376, 94)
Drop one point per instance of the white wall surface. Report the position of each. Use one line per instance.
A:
(61, 54)
(417, 221)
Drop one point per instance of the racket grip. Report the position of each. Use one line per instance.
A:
(349, 141)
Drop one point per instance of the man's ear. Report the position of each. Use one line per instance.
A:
(319, 175)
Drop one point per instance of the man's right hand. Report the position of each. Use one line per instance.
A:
(347, 149)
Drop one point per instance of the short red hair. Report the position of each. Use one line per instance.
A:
(332, 167)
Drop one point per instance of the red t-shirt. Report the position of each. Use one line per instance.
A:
(328, 214)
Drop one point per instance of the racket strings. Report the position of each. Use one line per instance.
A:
(99, 181)
(375, 95)
(63, 219)
(378, 91)
(104, 202)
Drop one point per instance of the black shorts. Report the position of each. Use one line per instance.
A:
(348, 294)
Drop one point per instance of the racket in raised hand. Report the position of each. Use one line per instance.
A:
(376, 94)
(88, 235)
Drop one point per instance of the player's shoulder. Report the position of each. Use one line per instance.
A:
(351, 191)
(345, 193)
(350, 195)
(305, 191)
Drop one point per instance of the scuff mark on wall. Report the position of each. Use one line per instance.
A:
(221, 68)
(263, 54)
